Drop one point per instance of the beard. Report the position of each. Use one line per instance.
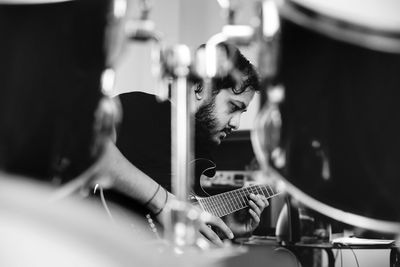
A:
(205, 123)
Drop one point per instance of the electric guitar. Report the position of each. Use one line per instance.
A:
(228, 202)
(218, 205)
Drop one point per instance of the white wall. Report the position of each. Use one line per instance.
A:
(134, 66)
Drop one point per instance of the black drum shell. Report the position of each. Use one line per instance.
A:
(340, 122)
(51, 59)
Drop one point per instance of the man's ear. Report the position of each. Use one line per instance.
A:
(202, 96)
(198, 95)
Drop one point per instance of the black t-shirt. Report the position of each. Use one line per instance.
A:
(144, 137)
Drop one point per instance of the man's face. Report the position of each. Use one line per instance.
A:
(219, 115)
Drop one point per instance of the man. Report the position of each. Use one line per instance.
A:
(144, 137)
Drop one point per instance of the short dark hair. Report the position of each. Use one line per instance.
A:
(241, 66)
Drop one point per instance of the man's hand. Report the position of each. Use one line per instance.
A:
(251, 220)
(207, 221)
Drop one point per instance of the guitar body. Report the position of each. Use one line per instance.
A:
(203, 169)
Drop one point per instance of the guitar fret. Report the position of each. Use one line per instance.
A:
(233, 200)
(245, 195)
(230, 205)
(226, 201)
(251, 191)
(239, 200)
(218, 204)
(270, 190)
(203, 202)
(266, 190)
(226, 204)
(267, 194)
(254, 190)
(259, 191)
(211, 205)
(221, 207)
(221, 204)
(207, 205)
(248, 192)
(214, 207)
(229, 202)
(244, 203)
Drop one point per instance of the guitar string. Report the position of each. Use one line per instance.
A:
(222, 209)
(253, 189)
(230, 200)
(229, 196)
(228, 204)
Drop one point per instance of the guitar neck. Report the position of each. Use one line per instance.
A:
(229, 202)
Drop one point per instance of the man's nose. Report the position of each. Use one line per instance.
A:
(234, 122)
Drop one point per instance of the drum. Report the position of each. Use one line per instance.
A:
(52, 58)
(339, 145)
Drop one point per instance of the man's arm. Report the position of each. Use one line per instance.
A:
(126, 178)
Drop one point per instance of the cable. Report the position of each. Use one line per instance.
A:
(103, 201)
(78, 183)
(336, 254)
(354, 254)
(355, 257)
(341, 258)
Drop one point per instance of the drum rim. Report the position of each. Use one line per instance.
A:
(339, 29)
(32, 2)
(283, 185)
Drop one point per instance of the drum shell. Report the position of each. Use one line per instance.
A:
(340, 122)
(52, 56)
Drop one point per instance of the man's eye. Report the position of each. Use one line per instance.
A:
(234, 107)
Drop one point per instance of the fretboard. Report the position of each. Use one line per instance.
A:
(229, 202)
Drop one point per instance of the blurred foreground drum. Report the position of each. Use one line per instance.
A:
(339, 147)
(52, 56)
(72, 232)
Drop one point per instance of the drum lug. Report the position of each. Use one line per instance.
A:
(322, 155)
(273, 125)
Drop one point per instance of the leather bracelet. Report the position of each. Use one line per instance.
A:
(154, 195)
(165, 203)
